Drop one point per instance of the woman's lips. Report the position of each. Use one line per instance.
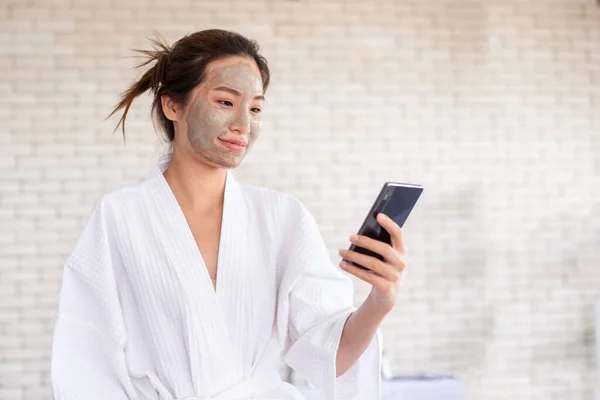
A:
(234, 145)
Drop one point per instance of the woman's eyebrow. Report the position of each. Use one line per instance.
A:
(228, 90)
(236, 92)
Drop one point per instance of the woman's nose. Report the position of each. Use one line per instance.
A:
(241, 123)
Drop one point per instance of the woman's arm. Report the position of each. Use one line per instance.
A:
(384, 277)
(88, 358)
(358, 333)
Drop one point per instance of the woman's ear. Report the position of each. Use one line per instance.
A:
(170, 108)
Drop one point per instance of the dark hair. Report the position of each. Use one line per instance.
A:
(178, 69)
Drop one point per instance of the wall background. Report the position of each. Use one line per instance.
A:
(491, 105)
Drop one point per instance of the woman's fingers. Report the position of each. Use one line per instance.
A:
(381, 268)
(375, 280)
(376, 246)
(393, 229)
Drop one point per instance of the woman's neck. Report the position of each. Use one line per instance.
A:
(197, 186)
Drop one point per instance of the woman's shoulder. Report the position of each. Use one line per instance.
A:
(126, 196)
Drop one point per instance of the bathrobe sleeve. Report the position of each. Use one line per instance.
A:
(320, 302)
(88, 360)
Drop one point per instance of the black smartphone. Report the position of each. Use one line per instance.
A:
(396, 200)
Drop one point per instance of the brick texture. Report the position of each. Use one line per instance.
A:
(491, 105)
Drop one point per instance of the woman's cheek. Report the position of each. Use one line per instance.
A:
(255, 125)
(221, 121)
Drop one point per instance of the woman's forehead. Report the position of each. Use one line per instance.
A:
(233, 65)
(240, 76)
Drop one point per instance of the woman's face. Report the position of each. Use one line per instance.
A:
(222, 115)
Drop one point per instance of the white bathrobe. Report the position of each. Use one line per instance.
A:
(138, 317)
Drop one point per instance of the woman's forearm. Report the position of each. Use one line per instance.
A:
(359, 330)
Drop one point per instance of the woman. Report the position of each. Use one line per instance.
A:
(189, 285)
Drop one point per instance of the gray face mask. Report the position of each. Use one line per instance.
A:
(217, 116)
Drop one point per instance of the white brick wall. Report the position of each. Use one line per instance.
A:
(492, 105)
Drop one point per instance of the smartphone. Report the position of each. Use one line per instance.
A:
(396, 200)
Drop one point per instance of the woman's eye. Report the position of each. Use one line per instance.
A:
(255, 110)
(226, 102)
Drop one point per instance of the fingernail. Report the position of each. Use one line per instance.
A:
(343, 252)
(353, 238)
(343, 265)
(382, 216)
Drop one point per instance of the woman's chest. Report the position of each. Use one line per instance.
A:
(206, 232)
(169, 275)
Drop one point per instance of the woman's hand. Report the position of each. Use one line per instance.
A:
(384, 276)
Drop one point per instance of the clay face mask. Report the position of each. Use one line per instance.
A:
(225, 111)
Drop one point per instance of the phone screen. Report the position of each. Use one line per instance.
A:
(396, 200)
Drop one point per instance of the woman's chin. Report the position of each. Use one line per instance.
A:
(226, 161)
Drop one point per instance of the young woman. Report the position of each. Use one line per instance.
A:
(189, 285)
